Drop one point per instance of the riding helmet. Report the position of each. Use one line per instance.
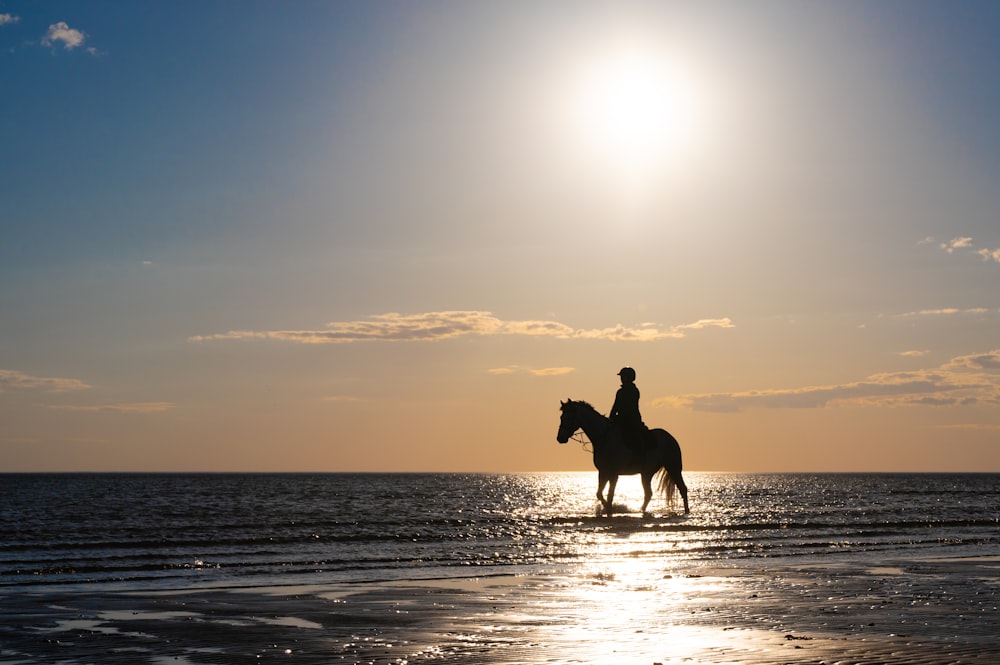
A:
(627, 374)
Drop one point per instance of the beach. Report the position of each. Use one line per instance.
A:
(822, 610)
(188, 569)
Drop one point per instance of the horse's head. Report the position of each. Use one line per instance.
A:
(569, 422)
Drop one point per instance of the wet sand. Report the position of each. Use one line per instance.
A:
(620, 611)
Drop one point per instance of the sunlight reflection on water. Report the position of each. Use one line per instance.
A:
(619, 595)
(617, 609)
(632, 586)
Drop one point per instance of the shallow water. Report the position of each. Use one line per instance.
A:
(468, 568)
(159, 531)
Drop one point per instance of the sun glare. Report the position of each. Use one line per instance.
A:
(634, 109)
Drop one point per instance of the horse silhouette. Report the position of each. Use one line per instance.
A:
(613, 458)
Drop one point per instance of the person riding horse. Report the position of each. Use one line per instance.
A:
(625, 414)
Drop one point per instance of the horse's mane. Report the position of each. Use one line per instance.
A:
(587, 405)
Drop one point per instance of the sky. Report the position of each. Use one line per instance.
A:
(387, 236)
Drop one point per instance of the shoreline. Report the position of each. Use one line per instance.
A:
(631, 610)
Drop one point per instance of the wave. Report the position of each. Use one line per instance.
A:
(190, 529)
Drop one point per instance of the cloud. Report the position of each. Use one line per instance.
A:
(128, 407)
(60, 441)
(976, 362)
(60, 32)
(945, 311)
(544, 371)
(8, 18)
(914, 354)
(437, 326)
(965, 242)
(552, 371)
(989, 254)
(962, 381)
(707, 323)
(13, 380)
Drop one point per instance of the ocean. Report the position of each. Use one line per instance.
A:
(174, 531)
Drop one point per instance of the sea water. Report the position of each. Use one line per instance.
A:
(163, 531)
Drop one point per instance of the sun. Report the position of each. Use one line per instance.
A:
(634, 108)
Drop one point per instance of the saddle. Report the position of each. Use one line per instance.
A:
(637, 440)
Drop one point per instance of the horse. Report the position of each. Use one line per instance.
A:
(613, 458)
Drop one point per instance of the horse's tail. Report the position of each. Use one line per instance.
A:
(670, 468)
(667, 487)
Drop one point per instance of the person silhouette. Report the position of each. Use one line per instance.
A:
(625, 412)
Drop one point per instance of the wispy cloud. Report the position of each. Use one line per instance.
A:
(963, 242)
(964, 380)
(437, 326)
(59, 441)
(966, 243)
(126, 407)
(543, 371)
(914, 353)
(14, 380)
(989, 254)
(61, 33)
(976, 362)
(945, 311)
(8, 18)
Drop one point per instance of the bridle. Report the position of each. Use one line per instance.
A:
(580, 437)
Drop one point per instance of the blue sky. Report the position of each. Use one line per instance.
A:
(251, 235)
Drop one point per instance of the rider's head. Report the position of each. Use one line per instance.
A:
(627, 374)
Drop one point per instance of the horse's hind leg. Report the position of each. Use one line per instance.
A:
(682, 488)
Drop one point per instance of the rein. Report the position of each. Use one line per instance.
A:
(581, 437)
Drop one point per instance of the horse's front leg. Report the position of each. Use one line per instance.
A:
(647, 491)
(611, 494)
(602, 480)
